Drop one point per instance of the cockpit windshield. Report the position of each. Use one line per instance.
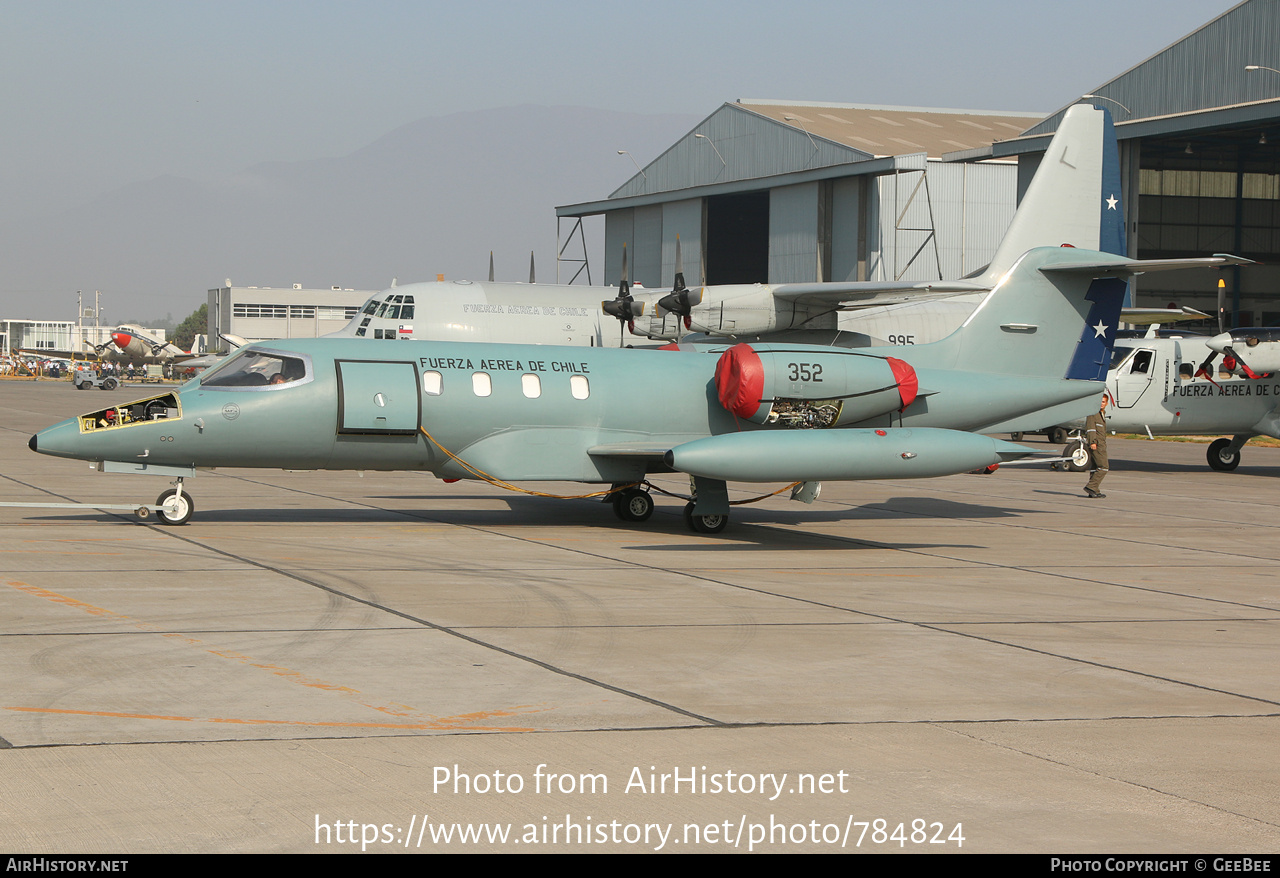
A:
(253, 368)
(1118, 355)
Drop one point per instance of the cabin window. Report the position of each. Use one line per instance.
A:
(1187, 370)
(579, 387)
(481, 384)
(1141, 363)
(531, 385)
(432, 383)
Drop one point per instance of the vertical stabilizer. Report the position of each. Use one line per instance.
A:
(1074, 197)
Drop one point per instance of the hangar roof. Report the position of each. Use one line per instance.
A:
(884, 131)
(750, 144)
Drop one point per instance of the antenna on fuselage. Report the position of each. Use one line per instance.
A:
(490, 266)
(532, 279)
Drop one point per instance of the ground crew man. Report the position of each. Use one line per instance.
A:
(1095, 434)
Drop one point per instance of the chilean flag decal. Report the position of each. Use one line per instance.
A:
(1093, 350)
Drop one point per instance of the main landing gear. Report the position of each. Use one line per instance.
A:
(634, 505)
(1224, 454)
(704, 524)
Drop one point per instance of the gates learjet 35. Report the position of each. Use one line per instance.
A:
(1034, 352)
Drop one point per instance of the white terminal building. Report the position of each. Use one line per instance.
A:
(58, 336)
(261, 313)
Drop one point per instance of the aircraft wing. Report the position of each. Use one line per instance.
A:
(853, 295)
(1148, 316)
(1141, 266)
(51, 354)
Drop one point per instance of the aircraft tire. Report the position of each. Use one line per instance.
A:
(1015, 436)
(110, 384)
(632, 505)
(185, 508)
(1218, 457)
(1057, 436)
(1080, 459)
(704, 524)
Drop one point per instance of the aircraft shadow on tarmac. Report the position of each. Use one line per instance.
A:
(1198, 466)
(765, 528)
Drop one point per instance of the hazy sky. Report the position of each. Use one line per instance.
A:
(97, 95)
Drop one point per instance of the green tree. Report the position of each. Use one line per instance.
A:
(188, 329)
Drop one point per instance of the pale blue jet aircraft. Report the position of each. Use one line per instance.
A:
(1035, 351)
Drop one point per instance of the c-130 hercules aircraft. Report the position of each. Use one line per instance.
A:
(1035, 351)
(1070, 202)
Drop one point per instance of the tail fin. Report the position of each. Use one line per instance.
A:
(1074, 197)
(1053, 315)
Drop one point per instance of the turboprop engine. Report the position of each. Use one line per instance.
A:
(771, 384)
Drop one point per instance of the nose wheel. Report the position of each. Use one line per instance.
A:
(175, 507)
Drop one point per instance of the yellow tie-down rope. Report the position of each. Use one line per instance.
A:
(499, 483)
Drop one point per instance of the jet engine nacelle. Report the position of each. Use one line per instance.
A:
(769, 384)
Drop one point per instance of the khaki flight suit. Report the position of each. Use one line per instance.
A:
(1095, 432)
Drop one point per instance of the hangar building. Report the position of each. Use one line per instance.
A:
(781, 192)
(789, 191)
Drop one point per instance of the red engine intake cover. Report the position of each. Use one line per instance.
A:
(908, 383)
(740, 380)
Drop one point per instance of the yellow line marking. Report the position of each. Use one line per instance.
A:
(292, 676)
(444, 724)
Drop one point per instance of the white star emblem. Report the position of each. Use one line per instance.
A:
(1111, 203)
(1100, 331)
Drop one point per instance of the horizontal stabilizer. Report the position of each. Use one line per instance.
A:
(1141, 266)
(871, 294)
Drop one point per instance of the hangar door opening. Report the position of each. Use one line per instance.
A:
(737, 246)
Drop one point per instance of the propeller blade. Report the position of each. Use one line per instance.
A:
(679, 301)
(1222, 305)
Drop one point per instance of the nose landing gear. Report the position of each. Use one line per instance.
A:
(175, 506)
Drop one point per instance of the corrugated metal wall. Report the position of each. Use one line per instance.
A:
(619, 229)
(972, 206)
(846, 219)
(683, 218)
(751, 146)
(1205, 69)
(793, 234)
(646, 248)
